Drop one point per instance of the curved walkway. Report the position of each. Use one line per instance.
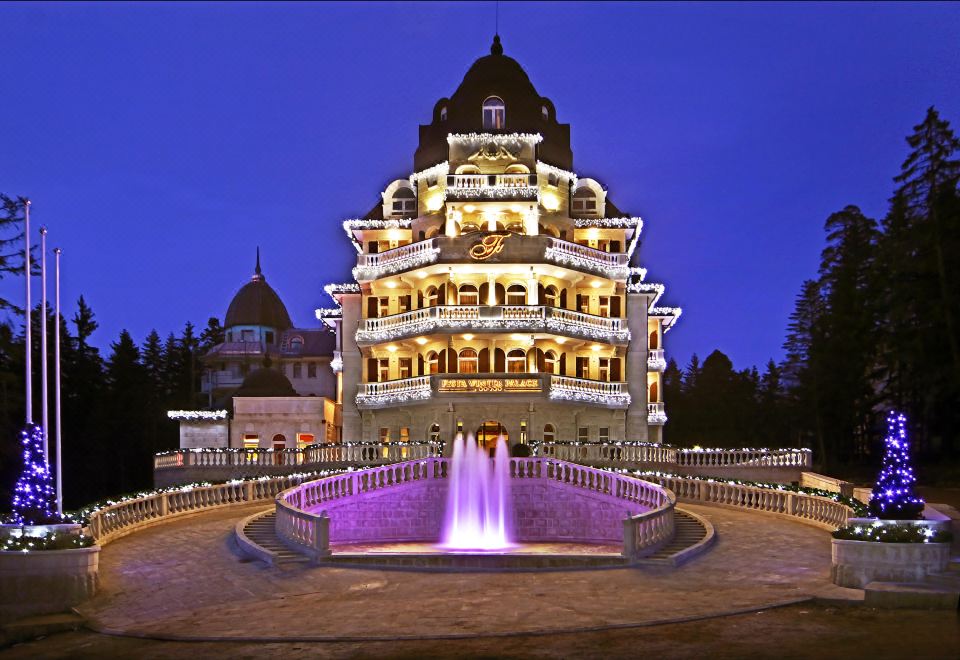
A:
(183, 580)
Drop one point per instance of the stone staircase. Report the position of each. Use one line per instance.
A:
(257, 539)
(694, 535)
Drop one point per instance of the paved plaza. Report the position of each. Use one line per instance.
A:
(183, 580)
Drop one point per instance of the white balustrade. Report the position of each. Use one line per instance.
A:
(656, 359)
(589, 391)
(315, 456)
(745, 457)
(565, 253)
(656, 413)
(405, 257)
(394, 391)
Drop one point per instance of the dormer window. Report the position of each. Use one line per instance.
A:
(545, 112)
(296, 344)
(494, 114)
(443, 113)
(585, 202)
(404, 202)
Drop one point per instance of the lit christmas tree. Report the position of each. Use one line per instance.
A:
(34, 500)
(894, 495)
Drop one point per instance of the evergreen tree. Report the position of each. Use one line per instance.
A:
(128, 387)
(11, 243)
(803, 366)
(212, 335)
(894, 495)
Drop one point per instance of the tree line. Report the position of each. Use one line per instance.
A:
(877, 327)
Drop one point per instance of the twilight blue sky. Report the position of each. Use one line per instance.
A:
(162, 143)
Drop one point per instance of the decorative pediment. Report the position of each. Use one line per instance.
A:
(493, 154)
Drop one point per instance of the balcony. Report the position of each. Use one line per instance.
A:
(582, 257)
(423, 388)
(492, 186)
(497, 318)
(407, 257)
(656, 360)
(656, 413)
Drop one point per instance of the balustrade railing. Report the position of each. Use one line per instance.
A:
(656, 359)
(493, 317)
(614, 394)
(565, 253)
(474, 181)
(372, 266)
(656, 413)
(394, 391)
(657, 455)
(745, 457)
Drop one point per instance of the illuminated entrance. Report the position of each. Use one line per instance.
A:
(488, 433)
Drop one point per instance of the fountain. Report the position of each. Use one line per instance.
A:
(478, 500)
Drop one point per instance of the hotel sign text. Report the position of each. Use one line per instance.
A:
(490, 385)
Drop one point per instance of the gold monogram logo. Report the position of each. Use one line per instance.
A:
(488, 246)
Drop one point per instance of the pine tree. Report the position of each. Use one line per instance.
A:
(212, 335)
(803, 366)
(11, 243)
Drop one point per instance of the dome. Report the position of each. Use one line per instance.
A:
(495, 75)
(266, 382)
(256, 303)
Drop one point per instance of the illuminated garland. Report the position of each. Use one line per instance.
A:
(336, 364)
(344, 288)
(438, 170)
(672, 313)
(34, 499)
(657, 417)
(495, 138)
(350, 226)
(328, 313)
(197, 415)
(598, 398)
(656, 363)
(609, 223)
(54, 541)
(388, 398)
(894, 495)
(493, 192)
(880, 533)
(431, 324)
(565, 258)
(546, 168)
(407, 262)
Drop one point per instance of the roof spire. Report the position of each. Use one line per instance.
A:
(257, 273)
(496, 48)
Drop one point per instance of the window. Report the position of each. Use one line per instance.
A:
(304, 439)
(443, 113)
(545, 112)
(494, 114)
(384, 434)
(523, 431)
(433, 363)
(553, 180)
(296, 344)
(404, 434)
(383, 307)
(604, 370)
(430, 297)
(549, 433)
(583, 434)
(297, 370)
(246, 335)
(311, 370)
(404, 202)
(516, 294)
(251, 441)
(279, 442)
(584, 201)
(604, 434)
(460, 426)
(604, 306)
(516, 361)
(383, 370)
(467, 361)
(434, 433)
(550, 362)
(403, 304)
(469, 295)
(269, 339)
(583, 303)
(550, 296)
(406, 367)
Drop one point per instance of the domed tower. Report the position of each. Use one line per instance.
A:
(256, 314)
(493, 289)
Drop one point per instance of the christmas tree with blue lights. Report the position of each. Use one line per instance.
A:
(34, 499)
(894, 495)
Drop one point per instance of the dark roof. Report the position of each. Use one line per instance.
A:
(256, 303)
(266, 382)
(495, 75)
(316, 343)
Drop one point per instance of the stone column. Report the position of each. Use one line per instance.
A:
(533, 290)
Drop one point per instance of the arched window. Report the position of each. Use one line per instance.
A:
(404, 202)
(654, 341)
(517, 168)
(296, 344)
(584, 201)
(654, 394)
(443, 113)
(553, 179)
(433, 434)
(516, 361)
(468, 227)
(433, 363)
(550, 362)
(494, 114)
(550, 296)
(430, 296)
(545, 112)
(516, 294)
(467, 361)
(468, 295)
(549, 433)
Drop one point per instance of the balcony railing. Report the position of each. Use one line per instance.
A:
(492, 186)
(393, 392)
(405, 257)
(608, 264)
(614, 395)
(507, 318)
(656, 360)
(656, 413)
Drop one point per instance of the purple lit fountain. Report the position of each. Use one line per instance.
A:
(478, 501)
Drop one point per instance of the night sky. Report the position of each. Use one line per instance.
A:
(162, 144)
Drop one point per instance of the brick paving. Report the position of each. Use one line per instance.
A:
(184, 579)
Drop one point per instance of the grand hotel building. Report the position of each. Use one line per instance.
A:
(493, 291)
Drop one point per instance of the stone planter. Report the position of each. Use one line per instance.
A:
(10, 530)
(857, 563)
(46, 581)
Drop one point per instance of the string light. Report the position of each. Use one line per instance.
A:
(197, 415)
(894, 495)
(34, 499)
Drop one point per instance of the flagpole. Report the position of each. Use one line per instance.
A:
(44, 414)
(29, 347)
(56, 382)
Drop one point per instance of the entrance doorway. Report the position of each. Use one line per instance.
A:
(488, 433)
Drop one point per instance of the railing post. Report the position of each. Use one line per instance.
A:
(629, 538)
(321, 539)
(248, 491)
(164, 507)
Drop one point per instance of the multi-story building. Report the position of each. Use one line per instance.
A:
(493, 289)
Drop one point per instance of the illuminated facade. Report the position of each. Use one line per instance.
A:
(493, 289)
